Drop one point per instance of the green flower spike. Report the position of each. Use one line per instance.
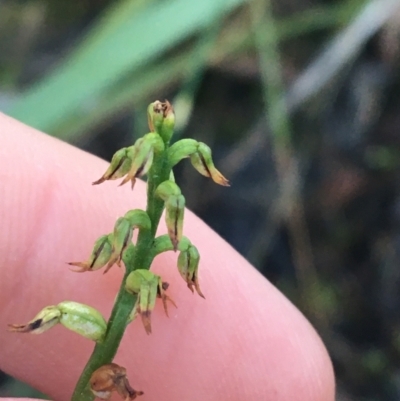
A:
(99, 257)
(120, 164)
(188, 264)
(109, 378)
(80, 318)
(170, 193)
(148, 287)
(161, 118)
(200, 157)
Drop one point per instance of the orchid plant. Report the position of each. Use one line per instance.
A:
(151, 155)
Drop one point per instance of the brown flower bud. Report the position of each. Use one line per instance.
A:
(109, 378)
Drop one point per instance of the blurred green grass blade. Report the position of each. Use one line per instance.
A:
(319, 17)
(153, 78)
(78, 83)
(137, 89)
(118, 13)
(139, 85)
(130, 91)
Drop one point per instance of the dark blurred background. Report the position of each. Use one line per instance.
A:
(300, 101)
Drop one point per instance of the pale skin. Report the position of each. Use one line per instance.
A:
(245, 341)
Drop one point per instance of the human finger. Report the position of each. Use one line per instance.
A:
(245, 341)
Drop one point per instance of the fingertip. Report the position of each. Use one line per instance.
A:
(246, 341)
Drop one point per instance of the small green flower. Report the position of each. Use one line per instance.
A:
(161, 118)
(80, 318)
(134, 161)
(188, 266)
(148, 287)
(120, 164)
(99, 257)
(203, 163)
(122, 237)
(143, 156)
(200, 157)
(170, 193)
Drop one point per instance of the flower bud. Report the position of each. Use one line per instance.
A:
(147, 286)
(170, 193)
(188, 263)
(83, 319)
(99, 257)
(122, 237)
(109, 378)
(80, 318)
(200, 156)
(44, 320)
(174, 213)
(203, 163)
(120, 165)
(161, 118)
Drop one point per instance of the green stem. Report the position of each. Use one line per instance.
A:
(104, 352)
(267, 42)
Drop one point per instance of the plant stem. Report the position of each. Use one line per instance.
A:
(286, 159)
(104, 352)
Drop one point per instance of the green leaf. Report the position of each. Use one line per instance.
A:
(110, 53)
